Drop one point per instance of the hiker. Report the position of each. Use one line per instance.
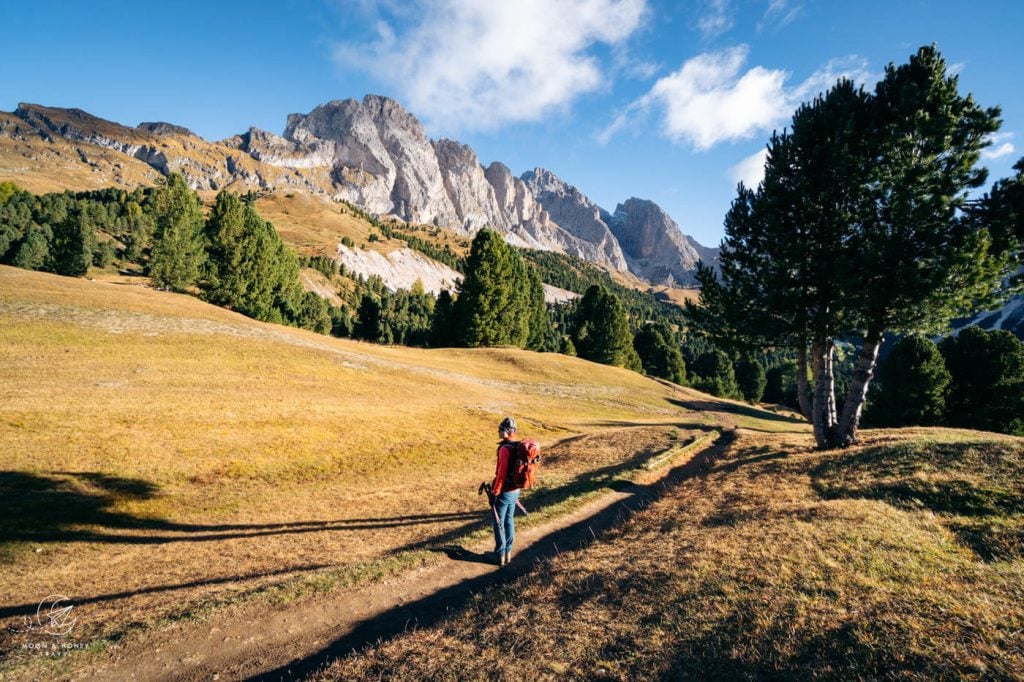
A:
(505, 494)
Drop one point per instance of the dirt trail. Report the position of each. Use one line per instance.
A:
(260, 641)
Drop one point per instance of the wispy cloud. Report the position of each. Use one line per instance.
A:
(710, 99)
(1000, 146)
(464, 64)
(716, 18)
(750, 171)
(779, 13)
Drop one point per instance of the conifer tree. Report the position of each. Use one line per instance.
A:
(715, 374)
(485, 297)
(912, 384)
(986, 380)
(861, 225)
(443, 321)
(538, 321)
(751, 379)
(178, 254)
(74, 239)
(659, 354)
(34, 249)
(601, 330)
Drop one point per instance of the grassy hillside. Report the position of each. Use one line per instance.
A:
(161, 453)
(902, 558)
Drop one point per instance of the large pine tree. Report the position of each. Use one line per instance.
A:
(501, 299)
(601, 330)
(178, 245)
(859, 227)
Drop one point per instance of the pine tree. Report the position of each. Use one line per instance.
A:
(860, 226)
(225, 234)
(370, 325)
(601, 330)
(74, 239)
(34, 249)
(987, 380)
(178, 253)
(538, 321)
(659, 354)
(751, 379)
(912, 384)
(443, 321)
(715, 374)
(485, 295)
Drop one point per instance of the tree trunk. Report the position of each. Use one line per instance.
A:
(803, 391)
(824, 407)
(867, 359)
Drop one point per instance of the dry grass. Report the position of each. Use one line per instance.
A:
(312, 225)
(679, 297)
(777, 561)
(160, 453)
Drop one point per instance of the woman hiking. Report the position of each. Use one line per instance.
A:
(505, 494)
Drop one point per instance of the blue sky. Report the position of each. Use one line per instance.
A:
(661, 100)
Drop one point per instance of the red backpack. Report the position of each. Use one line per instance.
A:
(523, 462)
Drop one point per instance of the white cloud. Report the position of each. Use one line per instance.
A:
(851, 67)
(750, 171)
(1000, 146)
(710, 99)
(716, 19)
(464, 64)
(779, 13)
(707, 101)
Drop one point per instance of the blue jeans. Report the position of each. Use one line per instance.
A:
(504, 521)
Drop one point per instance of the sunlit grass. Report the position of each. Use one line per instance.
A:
(151, 440)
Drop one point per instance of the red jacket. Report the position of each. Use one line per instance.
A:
(501, 471)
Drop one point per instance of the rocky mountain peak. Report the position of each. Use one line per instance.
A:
(163, 128)
(576, 213)
(377, 155)
(654, 245)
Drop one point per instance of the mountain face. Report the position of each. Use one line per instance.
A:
(1009, 318)
(577, 214)
(655, 248)
(374, 154)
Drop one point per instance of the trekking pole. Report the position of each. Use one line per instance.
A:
(484, 487)
(521, 507)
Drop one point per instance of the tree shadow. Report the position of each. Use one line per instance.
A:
(81, 507)
(914, 477)
(733, 408)
(972, 487)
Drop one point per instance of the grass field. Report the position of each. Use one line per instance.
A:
(901, 558)
(161, 454)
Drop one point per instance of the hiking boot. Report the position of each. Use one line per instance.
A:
(506, 559)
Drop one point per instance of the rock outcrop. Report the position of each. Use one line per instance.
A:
(576, 213)
(655, 248)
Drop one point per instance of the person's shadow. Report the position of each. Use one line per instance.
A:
(459, 553)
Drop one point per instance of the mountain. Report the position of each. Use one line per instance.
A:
(639, 237)
(1009, 318)
(576, 213)
(655, 247)
(372, 153)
